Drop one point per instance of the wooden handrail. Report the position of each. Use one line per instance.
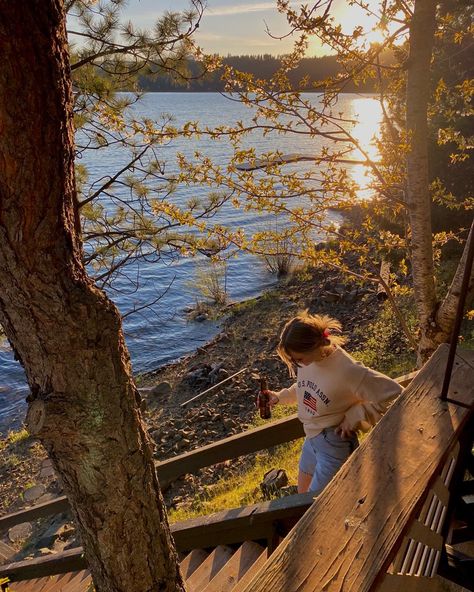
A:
(359, 521)
(271, 434)
(223, 528)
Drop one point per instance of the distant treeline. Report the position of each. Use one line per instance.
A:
(262, 66)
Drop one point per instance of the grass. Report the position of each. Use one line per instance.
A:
(14, 437)
(243, 487)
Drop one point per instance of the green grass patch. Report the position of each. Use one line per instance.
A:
(242, 489)
(14, 437)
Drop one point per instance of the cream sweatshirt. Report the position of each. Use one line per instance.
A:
(338, 388)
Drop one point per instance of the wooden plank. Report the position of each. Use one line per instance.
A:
(208, 569)
(51, 582)
(239, 524)
(56, 506)
(251, 573)
(354, 526)
(405, 379)
(63, 580)
(60, 563)
(192, 561)
(237, 566)
(226, 527)
(421, 533)
(79, 583)
(398, 583)
(6, 553)
(276, 432)
(28, 585)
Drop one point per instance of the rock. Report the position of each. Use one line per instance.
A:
(331, 296)
(47, 497)
(273, 481)
(157, 436)
(288, 305)
(33, 493)
(163, 388)
(20, 532)
(201, 317)
(46, 472)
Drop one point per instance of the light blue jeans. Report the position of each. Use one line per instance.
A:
(323, 455)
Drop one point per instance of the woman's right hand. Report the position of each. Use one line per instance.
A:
(274, 400)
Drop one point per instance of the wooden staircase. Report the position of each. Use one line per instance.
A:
(391, 520)
(219, 570)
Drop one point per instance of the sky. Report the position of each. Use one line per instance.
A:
(239, 27)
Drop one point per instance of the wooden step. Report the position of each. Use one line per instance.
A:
(27, 585)
(51, 583)
(192, 561)
(6, 553)
(248, 577)
(209, 568)
(80, 583)
(235, 569)
(47, 584)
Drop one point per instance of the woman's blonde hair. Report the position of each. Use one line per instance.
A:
(305, 333)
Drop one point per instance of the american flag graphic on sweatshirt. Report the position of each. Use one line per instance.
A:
(310, 401)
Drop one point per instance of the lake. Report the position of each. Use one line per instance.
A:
(162, 333)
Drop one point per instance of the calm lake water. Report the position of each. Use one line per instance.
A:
(161, 334)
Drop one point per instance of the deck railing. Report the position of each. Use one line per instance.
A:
(267, 521)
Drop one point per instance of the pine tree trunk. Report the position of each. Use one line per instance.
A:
(65, 331)
(418, 198)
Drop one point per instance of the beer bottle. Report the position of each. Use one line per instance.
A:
(264, 400)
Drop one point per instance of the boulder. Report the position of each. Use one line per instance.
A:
(163, 388)
(33, 493)
(273, 481)
(20, 532)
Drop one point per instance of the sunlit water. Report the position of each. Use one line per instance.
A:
(161, 334)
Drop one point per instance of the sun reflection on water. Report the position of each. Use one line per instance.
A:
(368, 113)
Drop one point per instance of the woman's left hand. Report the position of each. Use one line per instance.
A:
(344, 430)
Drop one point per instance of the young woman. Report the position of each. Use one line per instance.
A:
(336, 396)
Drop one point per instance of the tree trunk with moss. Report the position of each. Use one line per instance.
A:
(66, 332)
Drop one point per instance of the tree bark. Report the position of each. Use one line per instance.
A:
(66, 332)
(446, 313)
(422, 29)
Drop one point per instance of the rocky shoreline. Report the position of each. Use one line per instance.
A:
(247, 341)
